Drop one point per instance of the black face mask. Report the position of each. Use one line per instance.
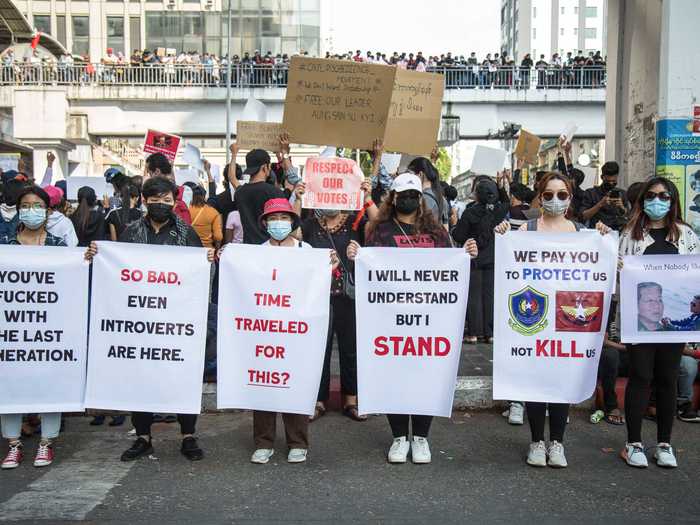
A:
(486, 195)
(406, 204)
(607, 186)
(159, 212)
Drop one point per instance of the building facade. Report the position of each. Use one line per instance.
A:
(545, 27)
(89, 27)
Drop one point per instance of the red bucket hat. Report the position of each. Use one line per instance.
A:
(55, 195)
(280, 206)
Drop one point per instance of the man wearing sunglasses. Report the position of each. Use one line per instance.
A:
(606, 203)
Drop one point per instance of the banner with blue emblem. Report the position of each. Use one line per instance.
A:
(551, 303)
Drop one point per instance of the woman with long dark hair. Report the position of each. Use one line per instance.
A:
(554, 195)
(129, 211)
(406, 222)
(432, 189)
(89, 218)
(656, 227)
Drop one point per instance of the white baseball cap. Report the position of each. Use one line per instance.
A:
(406, 182)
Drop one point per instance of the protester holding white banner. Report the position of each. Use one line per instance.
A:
(655, 228)
(160, 226)
(279, 221)
(405, 221)
(554, 194)
(52, 296)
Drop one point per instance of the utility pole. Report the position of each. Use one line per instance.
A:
(229, 70)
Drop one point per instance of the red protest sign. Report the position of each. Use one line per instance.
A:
(159, 142)
(332, 183)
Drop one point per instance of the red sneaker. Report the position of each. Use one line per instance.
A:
(14, 457)
(44, 455)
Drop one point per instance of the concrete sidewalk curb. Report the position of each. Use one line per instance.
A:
(471, 392)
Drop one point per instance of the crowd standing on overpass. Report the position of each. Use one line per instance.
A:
(576, 70)
(261, 204)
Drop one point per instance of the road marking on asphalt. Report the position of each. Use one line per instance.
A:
(72, 488)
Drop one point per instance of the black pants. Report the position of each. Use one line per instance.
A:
(399, 424)
(142, 422)
(558, 413)
(660, 363)
(608, 368)
(480, 305)
(342, 323)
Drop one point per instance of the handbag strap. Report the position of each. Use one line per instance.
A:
(340, 259)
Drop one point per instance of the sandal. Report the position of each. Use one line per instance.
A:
(319, 412)
(351, 412)
(614, 417)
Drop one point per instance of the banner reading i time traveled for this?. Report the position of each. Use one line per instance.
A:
(43, 332)
(147, 328)
(551, 300)
(410, 321)
(272, 327)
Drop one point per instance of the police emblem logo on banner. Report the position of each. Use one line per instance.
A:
(528, 311)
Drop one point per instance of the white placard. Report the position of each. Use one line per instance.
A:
(254, 110)
(43, 335)
(216, 174)
(193, 157)
(410, 305)
(186, 175)
(272, 327)
(660, 299)
(391, 162)
(488, 161)
(551, 301)
(569, 132)
(73, 184)
(328, 151)
(147, 328)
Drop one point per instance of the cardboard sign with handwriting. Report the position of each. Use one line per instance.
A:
(415, 112)
(528, 147)
(337, 103)
(262, 135)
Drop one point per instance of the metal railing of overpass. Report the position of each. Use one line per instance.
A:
(257, 76)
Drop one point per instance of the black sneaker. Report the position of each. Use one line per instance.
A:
(191, 450)
(687, 414)
(141, 447)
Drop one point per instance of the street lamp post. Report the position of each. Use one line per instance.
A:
(228, 88)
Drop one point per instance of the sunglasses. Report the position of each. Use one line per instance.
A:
(549, 195)
(662, 196)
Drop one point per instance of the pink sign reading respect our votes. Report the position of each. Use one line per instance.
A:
(332, 183)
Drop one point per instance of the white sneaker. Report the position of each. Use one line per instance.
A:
(537, 457)
(262, 456)
(297, 455)
(664, 456)
(516, 414)
(634, 456)
(420, 450)
(399, 450)
(555, 455)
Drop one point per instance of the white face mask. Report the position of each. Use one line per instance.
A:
(556, 207)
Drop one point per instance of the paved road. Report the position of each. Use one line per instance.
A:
(478, 475)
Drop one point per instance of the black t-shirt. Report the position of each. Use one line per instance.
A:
(660, 246)
(117, 218)
(612, 216)
(316, 235)
(250, 200)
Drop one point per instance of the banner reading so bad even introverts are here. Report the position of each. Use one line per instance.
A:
(147, 328)
(272, 327)
(43, 326)
(551, 300)
(410, 318)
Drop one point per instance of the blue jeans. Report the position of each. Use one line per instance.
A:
(12, 425)
(686, 377)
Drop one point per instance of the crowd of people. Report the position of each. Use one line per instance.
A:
(167, 66)
(261, 204)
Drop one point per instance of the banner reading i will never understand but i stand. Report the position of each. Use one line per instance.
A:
(551, 301)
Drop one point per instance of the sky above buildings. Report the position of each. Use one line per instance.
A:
(431, 26)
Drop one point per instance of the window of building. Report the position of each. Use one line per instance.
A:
(42, 23)
(534, 32)
(81, 35)
(575, 30)
(591, 32)
(135, 32)
(561, 31)
(534, 11)
(576, 10)
(591, 12)
(115, 33)
(61, 29)
(563, 10)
